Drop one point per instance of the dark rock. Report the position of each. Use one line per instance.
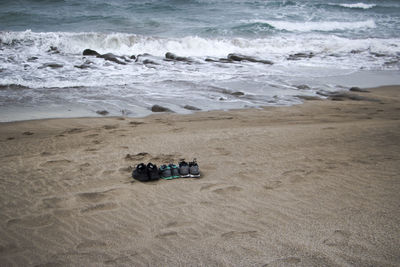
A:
(102, 112)
(147, 59)
(142, 55)
(150, 62)
(90, 52)
(358, 89)
(87, 64)
(377, 54)
(172, 56)
(225, 60)
(188, 107)
(113, 58)
(221, 99)
(51, 65)
(220, 60)
(299, 56)
(341, 96)
(13, 86)
(32, 59)
(237, 93)
(53, 50)
(324, 93)
(227, 92)
(157, 108)
(210, 60)
(303, 87)
(308, 97)
(132, 57)
(127, 59)
(239, 57)
(83, 66)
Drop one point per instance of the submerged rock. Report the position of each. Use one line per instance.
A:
(51, 65)
(90, 52)
(239, 57)
(147, 59)
(303, 87)
(299, 56)
(172, 56)
(308, 97)
(102, 112)
(158, 108)
(86, 65)
(358, 89)
(341, 96)
(53, 50)
(237, 93)
(220, 60)
(113, 58)
(188, 107)
(32, 59)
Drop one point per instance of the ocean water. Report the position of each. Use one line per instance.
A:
(315, 45)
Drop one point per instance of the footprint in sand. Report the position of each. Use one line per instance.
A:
(52, 202)
(135, 123)
(100, 207)
(94, 197)
(89, 244)
(138, 156)
(165, 158)
(110, 127)
(91, 135)
(8, 249)
(296, 176)
(272, 185)
(73, 131)
(338, 238)
(126, 169)
(222, 151)
(227, 191)
(236, 234)
(91, 149)
(32, 221)
(167, 234)
(289, 261)
(56, 163)
(207, 186)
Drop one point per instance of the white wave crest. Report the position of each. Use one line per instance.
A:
(318, 26)
(28, 44)
(358, 5)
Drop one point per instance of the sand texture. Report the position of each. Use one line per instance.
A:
(309, 185)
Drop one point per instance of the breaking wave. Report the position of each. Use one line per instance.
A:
(357, 5)
(325, 26)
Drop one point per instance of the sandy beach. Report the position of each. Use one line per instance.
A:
(315, 184)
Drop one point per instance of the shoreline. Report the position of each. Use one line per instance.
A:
(307, 185)
(303, 98)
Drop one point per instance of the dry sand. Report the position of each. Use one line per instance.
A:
(309, 185)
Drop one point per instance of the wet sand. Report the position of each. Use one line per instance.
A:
(309, 185)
